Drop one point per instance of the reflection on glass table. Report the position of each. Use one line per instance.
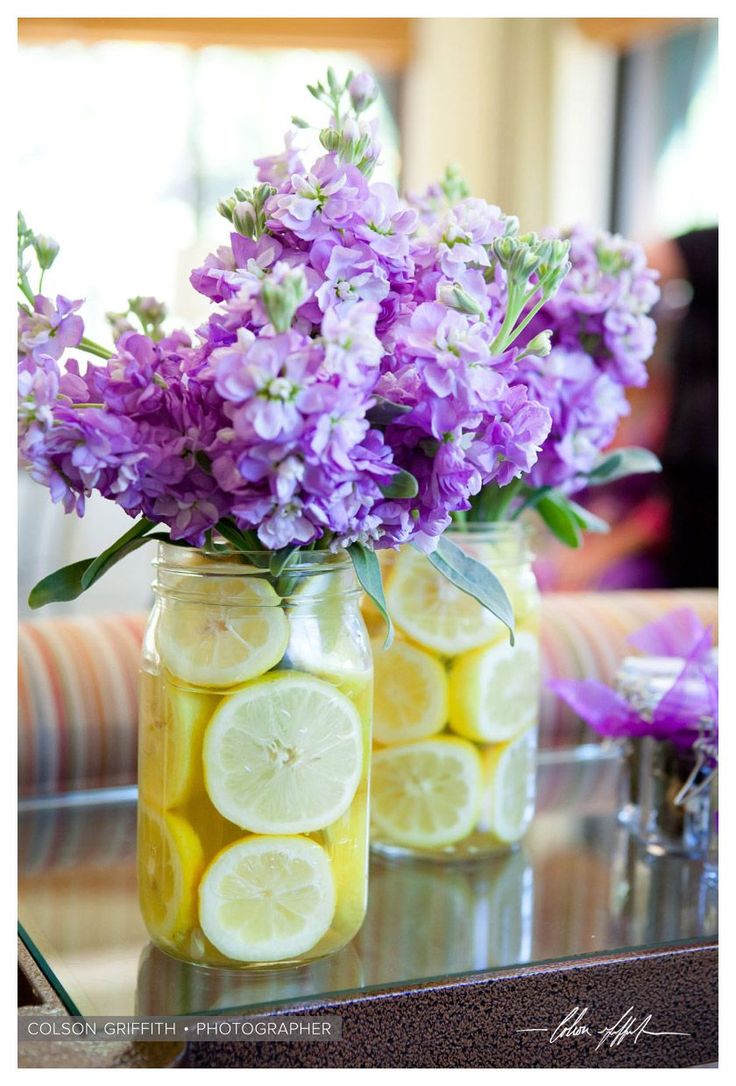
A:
(580, 884)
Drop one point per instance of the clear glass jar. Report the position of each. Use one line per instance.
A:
(670, 790)
(254, 753)
(457, 707)
(677, 800)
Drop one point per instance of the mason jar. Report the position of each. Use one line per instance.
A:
(457, 706)
(254, 752)
(671, 787)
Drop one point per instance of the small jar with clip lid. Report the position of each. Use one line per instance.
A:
(671, 797)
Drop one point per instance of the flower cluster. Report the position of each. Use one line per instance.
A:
(602, 337)
(385, 309)
(357, 379)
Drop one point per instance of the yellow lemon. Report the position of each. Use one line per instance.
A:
(426, 794)
(434, 613)
(172, 726)
(494, 691)
(230, 631)
(410, 693)
(267, 899)
(508, 789)
(170, 863)
(284, 754)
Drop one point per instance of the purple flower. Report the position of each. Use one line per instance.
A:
(275, 169)
(385, 222)
(327, 198)
(362, 90)
(351, 275)
(49, 329)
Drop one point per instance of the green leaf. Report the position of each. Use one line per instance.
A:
(63, 584)
(280, 560)
(623, 462)
(368, 571)
(233, 535)
(71, 581)
(475, 579)
(588, 521)
(384, 411)
(97, 567)
(204, 461)
(401, 485)
(555, 511)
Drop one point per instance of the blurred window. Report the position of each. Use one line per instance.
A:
(133, 144)
(668, 137)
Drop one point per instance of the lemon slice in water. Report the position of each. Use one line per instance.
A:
(267, 899)
(284, 754)
(426, 794)
(410, 693)
(433, 612)
(170, 862)
(232, 630)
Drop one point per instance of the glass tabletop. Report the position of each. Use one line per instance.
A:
(578, 885)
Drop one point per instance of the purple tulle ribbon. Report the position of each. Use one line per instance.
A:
(688, 712)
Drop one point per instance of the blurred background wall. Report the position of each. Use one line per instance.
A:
(149, 122)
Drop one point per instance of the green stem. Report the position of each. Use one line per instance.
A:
(26, 289)
(91, 347)
(493, 501)
(533, 495)
(514, 306)
(530, 315)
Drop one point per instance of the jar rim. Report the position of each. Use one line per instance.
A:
(501, 528)
(229, 560)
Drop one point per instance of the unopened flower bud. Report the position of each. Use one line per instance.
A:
(119, 324)
(456, 297)
(46, 250)
(541, 345)
(150, 312)
(282, 293)
(363, 91)
(511, 225)
(262, 193)
(243, 219)
(453, 185)
(523, 264)
(330, 139)
(225, 207)
(504, 250)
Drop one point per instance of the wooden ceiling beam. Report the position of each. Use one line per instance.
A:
(386, 43)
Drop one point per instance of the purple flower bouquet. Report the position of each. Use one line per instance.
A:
(373, 371)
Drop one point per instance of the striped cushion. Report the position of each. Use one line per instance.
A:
(78, 681)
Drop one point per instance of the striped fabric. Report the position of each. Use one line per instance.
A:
(78, 702)
(78, 681)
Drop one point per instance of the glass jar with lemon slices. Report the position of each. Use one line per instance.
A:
(255, 719)
(456, 706)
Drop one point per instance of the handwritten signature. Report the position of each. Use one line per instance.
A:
(575, 1024)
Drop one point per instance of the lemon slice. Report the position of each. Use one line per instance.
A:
(426, 794)
(508, 790)
(494, 692)
(170, 755)
(170, 862)
(232, 630)
(410, 693)
(433, 612)
(267, 899)
(284, 754)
